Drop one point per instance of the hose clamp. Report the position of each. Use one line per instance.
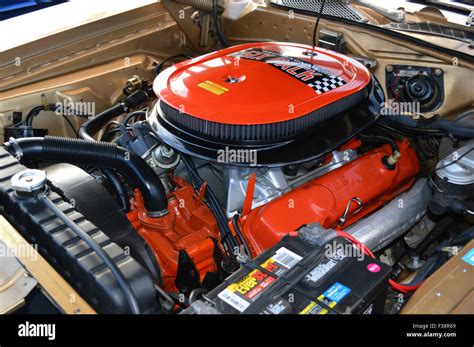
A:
(18, 151)
(157, 214)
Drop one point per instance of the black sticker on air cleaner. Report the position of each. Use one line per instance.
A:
(311, 75)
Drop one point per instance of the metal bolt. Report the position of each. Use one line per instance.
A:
(389, 68)
(231, 79)
(166, 152)
(438, 294)
(242, 257)
(438, 72)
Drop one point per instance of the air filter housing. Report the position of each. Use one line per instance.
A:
(287, 101)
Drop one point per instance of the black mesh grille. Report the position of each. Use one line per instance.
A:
(434, 29)
(258, 132)
(335, 8)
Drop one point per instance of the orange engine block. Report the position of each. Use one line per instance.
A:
(190, 226)
(325, 199)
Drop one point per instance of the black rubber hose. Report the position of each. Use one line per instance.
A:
(437, 258)
(93, 125)
(380, 139)
(463, 237)
(430, 265)
(101, 154)
(408, 131)
(215, 15)
(159, 67)
(122, 281)
(87, 130)
(35, 111)
(119, 188)
(445, 125)
(453, 128)
(133, 116)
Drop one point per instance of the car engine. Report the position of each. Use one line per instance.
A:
(264, 177)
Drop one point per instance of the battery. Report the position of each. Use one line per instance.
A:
(295, 277)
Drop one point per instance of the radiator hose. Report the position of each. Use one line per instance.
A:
(438, 124)
(101, 154)
(93, 125)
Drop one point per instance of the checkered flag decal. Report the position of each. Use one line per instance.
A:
(326, 84)
(321, 81)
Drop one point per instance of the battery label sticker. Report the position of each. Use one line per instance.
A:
(469, 257)
(321, 81)
(330, 298)
(337, 292)
(234, 300)
(314, 308)
(243, 293)
(325, 267)
(280, 307)
(319, 271)
(286, 257)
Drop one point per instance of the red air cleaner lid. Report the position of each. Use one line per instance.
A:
(260, 91)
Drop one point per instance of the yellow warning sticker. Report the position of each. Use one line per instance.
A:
(213, 87)
(314, 308)
(328, 302)
(308, 308)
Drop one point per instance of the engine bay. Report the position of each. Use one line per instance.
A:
(271, 176)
